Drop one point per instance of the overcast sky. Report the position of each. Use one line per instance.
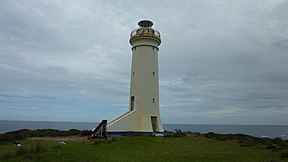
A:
(220, 61)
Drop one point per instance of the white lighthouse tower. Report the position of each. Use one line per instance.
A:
(143, 115)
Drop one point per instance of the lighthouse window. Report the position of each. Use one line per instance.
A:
(133, 73)
(153, 100)
(153, 73)
(132, 102)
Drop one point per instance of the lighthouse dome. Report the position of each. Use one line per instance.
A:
(145, 30)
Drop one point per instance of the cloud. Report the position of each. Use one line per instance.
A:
(220, 61)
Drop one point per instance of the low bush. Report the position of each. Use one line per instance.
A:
(179, 134)
(115, 138)
(8, 155)
(58, 146)
(22, 151)
(24, 133)
(284, 154)
(276, 144)
(38, 148)
(97, 142)
(167, 135)
(86, 133)
(247, 143)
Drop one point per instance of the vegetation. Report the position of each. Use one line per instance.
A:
(25, 133)
(179, 146)
(276, 144)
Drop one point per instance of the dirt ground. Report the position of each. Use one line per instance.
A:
(71, 139)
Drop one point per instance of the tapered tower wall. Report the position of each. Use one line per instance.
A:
(143, 114)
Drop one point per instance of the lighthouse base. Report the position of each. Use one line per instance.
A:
(135, 122)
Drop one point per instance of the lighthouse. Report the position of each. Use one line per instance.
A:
(143, 116)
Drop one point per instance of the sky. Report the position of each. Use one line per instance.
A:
(220, 61)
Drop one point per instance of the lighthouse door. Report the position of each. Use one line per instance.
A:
(154, 123)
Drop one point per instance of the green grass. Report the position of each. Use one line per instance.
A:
(145, 148)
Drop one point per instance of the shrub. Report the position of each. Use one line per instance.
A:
(22, 151)
(97, 142)
(281, 143)
(179, 134)
(114, 138)
(284, 154)
(36, 149)
(86, 133)
(72, 132)
(246, 143)
(108, 141)
(57, 146)
(4, 138)
(8, 155)
(167, 135)
(273, 147)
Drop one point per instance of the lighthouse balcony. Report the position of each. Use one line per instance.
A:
(145, 32)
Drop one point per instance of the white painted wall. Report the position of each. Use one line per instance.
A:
(144, 86)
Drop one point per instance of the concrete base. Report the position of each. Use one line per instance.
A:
(135, 122)
(134, 133)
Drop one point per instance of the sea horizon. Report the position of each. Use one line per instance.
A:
(270, 131)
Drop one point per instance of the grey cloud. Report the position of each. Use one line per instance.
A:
(220, 61)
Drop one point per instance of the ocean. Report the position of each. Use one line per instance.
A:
(271, 131)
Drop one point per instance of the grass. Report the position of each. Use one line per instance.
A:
(191, 147)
